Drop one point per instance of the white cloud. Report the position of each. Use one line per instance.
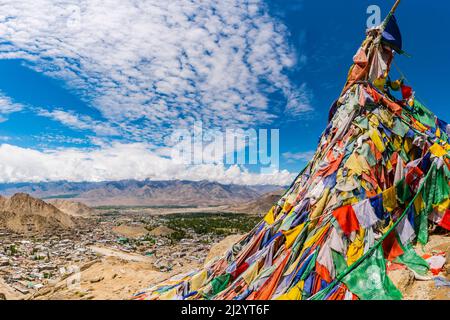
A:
(7, 106)
(75, 121)
(160, 63)
(148, 67)
(117, 162)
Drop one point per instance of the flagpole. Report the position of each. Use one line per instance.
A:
(391, 13)
(377, 39)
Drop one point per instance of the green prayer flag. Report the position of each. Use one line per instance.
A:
(220, 283)
(369, 280)
(404, 155)
(339, 262)
(404, 193)
(412, 260)
(435, 191)
(423, 115)
(422, 235)
(400, 128)
(442, 189)
(428, 195)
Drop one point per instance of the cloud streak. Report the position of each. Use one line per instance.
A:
(117, 162)
(74, 121)
(7, 106)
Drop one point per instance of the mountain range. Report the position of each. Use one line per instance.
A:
(141, 193)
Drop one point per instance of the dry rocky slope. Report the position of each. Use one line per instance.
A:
(24, 214)
(259, 206)
(72, 208)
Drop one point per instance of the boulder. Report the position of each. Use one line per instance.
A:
(403, 279)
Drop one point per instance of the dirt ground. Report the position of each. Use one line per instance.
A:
(116, 275)
(8, 293)
(110, 278)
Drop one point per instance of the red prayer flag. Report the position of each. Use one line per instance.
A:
(240, 270)
(391, 247)
(347, 219)
(445, 223)
(406, 92)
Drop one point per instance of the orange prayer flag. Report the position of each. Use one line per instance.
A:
(323, 272)
(269, 287)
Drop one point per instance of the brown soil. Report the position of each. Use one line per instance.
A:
(110, 278)
(132, 232)
(161, 231)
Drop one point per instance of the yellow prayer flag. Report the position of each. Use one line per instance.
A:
(407, 145)
(380, 83)
(320, 205)
(437, 150)
(295, 293)
(250, 274)
(198, 280)
(169, 295)
(376, 139)
(292, 234)
(388, 165)
(356, 248)
(269, 218)
(443, 206)
(357, 164)
(419, 205)
(390, 199)
(397, 143)
(313, 239)
(287, 206)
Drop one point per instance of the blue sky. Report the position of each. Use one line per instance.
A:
(91, 92)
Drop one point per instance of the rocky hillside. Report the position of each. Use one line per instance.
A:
(260, 206)
(72, 208)
(24, 214)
